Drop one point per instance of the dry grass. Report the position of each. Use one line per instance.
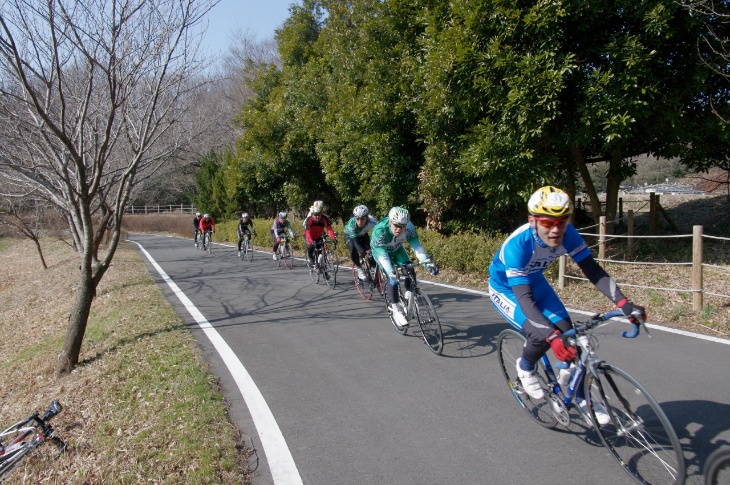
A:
(142, 405)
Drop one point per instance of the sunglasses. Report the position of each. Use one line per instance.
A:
(399, 226)
(363, 218)
(548, 223)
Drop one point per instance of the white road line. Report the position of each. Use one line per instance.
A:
(283, 469)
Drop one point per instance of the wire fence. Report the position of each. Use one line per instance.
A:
(160, 209)
(696, 265)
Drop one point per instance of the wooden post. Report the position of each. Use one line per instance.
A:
(652, 212)
(561, 272)
(697, 268)
(630, 223)
(620, 211)
(602, 238)
(577, 203)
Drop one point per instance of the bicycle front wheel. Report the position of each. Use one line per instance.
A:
(510, 344)
(363, 287)
(288, 257)
(639, 435)
(206, 243)
(249, 251)
(17, 448)
(429, 322)
(330, 269)
(717, 467)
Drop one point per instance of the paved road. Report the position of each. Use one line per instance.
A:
(358, 403)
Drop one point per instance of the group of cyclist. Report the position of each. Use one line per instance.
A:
(518, 288)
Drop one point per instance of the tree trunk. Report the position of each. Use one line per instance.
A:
(40, 252)
(78, 319)
(580, 162)
(613, 183)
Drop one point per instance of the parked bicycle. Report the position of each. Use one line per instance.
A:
(638, 434)
(415, 305)
(246, 252)
(717, 467)
(326, 262)
(284, 253)
(207, 241)
(19, 440)
(365, 287)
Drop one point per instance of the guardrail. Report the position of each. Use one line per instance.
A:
(160, 209)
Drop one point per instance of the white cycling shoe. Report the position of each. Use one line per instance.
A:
(398, 317)
(530, 382)
(360, 274)
(601, 414)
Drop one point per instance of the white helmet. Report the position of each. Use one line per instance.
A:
(360, 211)
(244, 215)
(316, 209)
(206, 216)
(398, 215)
(282, 214)
(197, 214)
(318, 203)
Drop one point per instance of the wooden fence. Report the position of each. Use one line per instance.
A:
(160, 209)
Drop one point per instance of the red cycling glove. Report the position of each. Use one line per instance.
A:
(566, 354)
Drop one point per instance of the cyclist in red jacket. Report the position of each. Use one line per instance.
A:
(207, 224)
(314, 227)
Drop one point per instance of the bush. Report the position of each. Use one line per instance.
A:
(465, 252)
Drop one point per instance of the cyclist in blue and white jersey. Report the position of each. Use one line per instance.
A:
(357, 238)
(278, 229)
(519, 291)
(386, 243)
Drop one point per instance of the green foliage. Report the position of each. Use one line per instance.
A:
(465, 252)
(459, 110)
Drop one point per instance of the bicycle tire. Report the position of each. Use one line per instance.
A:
(314, 269)
(639, 436)
(249, 250)
(330, 268)
(206, 243)
(363, 287)
(717, 467)
(379, 284)
(510, 344)
(428, 321)
(287, 256)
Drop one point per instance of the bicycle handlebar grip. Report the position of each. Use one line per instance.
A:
(633, 333)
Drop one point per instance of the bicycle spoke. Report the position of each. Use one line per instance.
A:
(639, 435)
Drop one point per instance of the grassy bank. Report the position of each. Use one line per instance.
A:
(142, 406)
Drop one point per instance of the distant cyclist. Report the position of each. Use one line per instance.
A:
(207, 224)
(357, 238)
(386, 243)
(245, 225)
(196, 227)
(316, 204)
(280, 227)
(314, 227)
(522, 295)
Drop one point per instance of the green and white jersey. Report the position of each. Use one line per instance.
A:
(384, 245)
(352, 230)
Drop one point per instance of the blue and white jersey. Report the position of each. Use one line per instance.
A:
(523, 257)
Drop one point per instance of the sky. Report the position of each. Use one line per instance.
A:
(259, 17)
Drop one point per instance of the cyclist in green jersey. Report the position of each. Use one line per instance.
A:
(357, 239)
(386, 244)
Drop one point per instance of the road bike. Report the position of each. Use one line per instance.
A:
(207, 241)
(365, 287)
(326, 262)
(19, 440)
(415, 305)
(717, 467)
(284, 254)
(246, 252)
(638, 434)
(198, 239)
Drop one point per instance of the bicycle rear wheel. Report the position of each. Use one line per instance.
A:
(510, 344)
(717, 467)
(429, 322)
(363, 287)
(330, 268)
(639, 436)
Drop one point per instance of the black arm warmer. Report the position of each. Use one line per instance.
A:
(541, 325)
(601, 279)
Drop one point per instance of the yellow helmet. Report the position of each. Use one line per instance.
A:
(550, 201)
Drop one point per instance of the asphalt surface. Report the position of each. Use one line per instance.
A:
(357, 403)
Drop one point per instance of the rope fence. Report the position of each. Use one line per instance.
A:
(697, 264)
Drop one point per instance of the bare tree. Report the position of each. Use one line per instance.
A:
(28, 217)
(93, 99)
